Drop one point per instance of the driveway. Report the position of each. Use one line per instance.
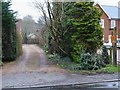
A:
(33, 69)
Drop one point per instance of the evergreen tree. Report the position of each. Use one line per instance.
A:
(8, 32)
(0, 32)
(85, 32)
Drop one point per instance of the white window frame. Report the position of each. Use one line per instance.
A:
(102, 23)
(113, 23)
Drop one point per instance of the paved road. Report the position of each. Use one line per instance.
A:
(93, 86)
(33, 69)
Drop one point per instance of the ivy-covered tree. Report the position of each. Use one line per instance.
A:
(8, 32)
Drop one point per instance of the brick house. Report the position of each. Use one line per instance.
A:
(109, 20)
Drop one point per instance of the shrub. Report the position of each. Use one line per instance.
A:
(75, 53)
(90, 61)
(0, 55)
(0, 50)
(105, 55)
(19, 44)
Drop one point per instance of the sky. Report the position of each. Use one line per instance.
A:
(25, 7)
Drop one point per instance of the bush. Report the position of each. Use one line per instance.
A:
(19, 44)
(0, 55)
(63, 62)
(75, 53)
(0, 50)
(105, 55)
(90, 61)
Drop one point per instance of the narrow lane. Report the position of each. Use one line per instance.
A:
(31, 68)
(21, 65)
(33, 58)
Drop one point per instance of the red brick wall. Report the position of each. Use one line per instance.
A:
(106, 28)
(107, 25)
(118, 27)
(18, 25)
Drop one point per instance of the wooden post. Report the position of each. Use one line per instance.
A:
(115, 48)
(111, 55)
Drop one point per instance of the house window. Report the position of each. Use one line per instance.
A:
(102, 23)
(113, 24)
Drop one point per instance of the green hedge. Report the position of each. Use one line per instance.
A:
(0, 50)
(8, 32)
(11, 38)
(19, 44)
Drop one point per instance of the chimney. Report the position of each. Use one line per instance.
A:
(19, 25)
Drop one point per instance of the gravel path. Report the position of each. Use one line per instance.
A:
(33, 69)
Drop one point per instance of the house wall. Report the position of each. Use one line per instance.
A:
(107, 25)
(104, 16)
(118, 27)
(106, 31)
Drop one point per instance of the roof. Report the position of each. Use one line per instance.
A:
(31, 34)
(112, 11)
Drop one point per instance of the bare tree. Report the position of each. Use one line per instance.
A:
(54, 12)
(41, 7)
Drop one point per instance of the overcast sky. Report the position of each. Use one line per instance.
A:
(24, 7)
